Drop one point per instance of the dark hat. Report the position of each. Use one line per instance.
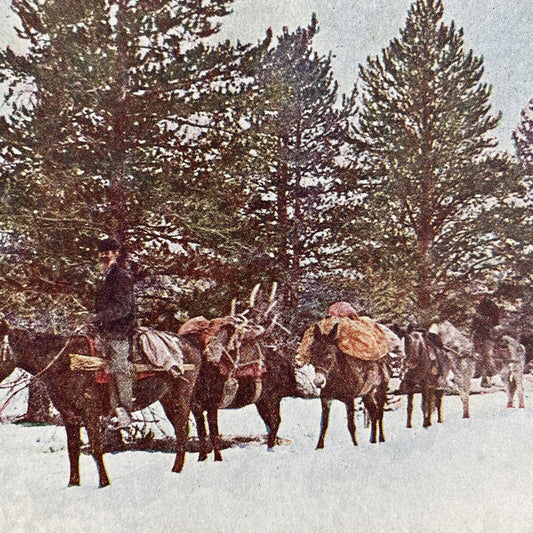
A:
(107, 245)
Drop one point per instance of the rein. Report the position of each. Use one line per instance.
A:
(6, 349)
(451, 350)
(56, 357)
(235, 362)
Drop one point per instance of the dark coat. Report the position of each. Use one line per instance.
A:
(486, 318)
(115, 312)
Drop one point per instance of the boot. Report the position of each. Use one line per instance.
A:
(121, 420)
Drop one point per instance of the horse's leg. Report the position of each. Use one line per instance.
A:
(94, 432)
(466, 403)
(382, 401)
(410, 396)
(463, 382)
(74, 446)
(269, 411)
(438, 404)
(521, 404)
(177, 408)
(212, 420)
(202, 433)
(423, 402)
(519, 378)
(326, 403)
(511, 389)
(428, 402)
(371, 406)
(350, 414)
(380, 428)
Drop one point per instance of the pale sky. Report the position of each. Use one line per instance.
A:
(499, 30)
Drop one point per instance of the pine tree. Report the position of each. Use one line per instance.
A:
(518, 241)
(292, 143)
(426, 178)
(119, 116)
(523, 138)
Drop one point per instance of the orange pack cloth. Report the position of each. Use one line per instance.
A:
(359, 337)
(204, 329)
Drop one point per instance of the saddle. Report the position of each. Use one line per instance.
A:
(152, 351)
(205, 331)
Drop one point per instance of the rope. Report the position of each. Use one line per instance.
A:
(462, 356)
(36, 376)
(14, 392)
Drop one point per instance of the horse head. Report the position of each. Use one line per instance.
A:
(397, 354)
(414, 346)
(323, 352)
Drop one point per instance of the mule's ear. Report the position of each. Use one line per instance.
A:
(395, 328)
(317, 332)
(333, 334)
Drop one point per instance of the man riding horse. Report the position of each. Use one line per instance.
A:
(114, 320)
(486, 319)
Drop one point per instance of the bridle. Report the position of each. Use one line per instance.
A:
(319, 369)
(234, 345)
(7, 354)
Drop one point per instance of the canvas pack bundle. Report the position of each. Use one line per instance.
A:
(359, 337)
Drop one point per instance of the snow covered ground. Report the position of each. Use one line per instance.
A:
(471, 475)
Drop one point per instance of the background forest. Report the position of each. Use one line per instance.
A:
(223, 165)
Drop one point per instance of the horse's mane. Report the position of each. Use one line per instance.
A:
(40, 341)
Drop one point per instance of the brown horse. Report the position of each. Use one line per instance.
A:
(277, 381)
(344, 378)
(426, 367)
(81, 401)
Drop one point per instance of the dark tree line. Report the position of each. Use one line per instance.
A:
(220, 166)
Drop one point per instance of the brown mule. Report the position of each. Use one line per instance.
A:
(232, 378)
(344, 378)
(277, 382)
(81, 401)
